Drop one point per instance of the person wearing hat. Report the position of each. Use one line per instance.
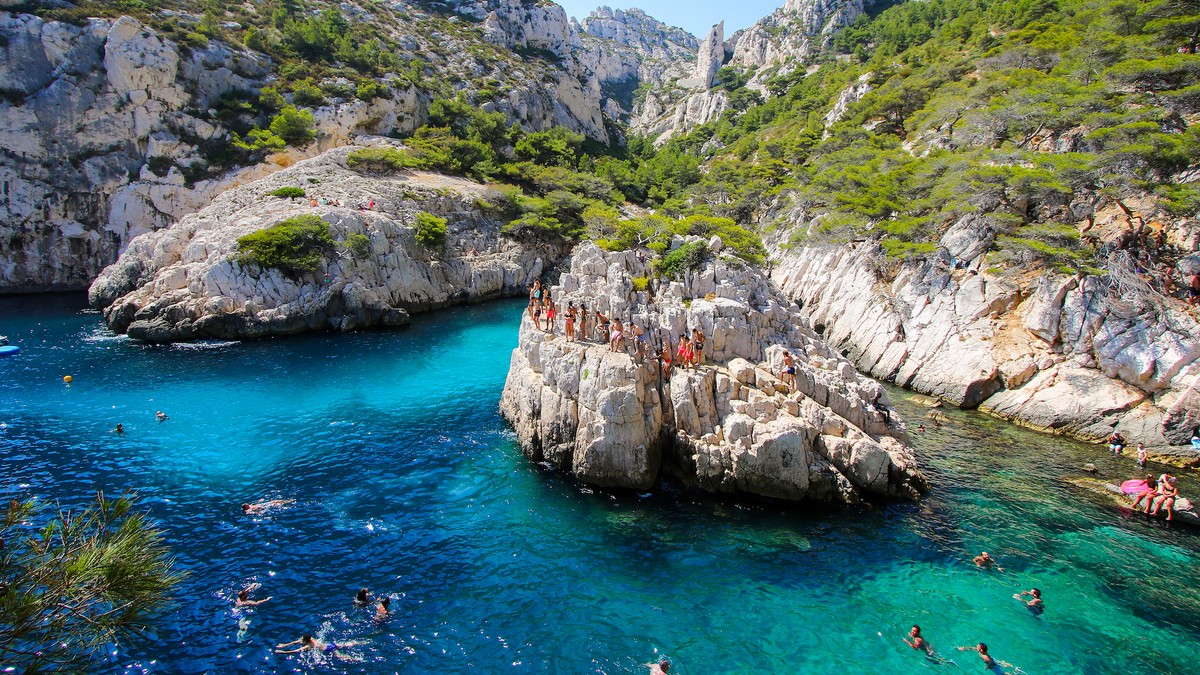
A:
(1167, 493)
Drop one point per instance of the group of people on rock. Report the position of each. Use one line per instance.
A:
(619, 335)
(306, 642)
(1158, 493)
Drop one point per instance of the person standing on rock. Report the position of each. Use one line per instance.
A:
(535, 313)
(684, 355)
(618, 336)
(549, 313)
(697, 346)
(569, 329)
(1142, 455)
(789, 371)
(581, 330)
(665, 357)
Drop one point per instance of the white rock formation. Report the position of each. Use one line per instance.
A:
(185, 282)
(1050, 352)
(732, 426)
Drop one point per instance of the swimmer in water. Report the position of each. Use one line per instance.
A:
(243, 599)
(1035, 605)
(119, 430)
(659, 668)
(383, 610)
(362, 597)
(307, 641)
(986, 561)
(988, 662)
(260, 507)
(918, 642)
(161, 416)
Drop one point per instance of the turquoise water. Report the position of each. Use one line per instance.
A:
(407, 482)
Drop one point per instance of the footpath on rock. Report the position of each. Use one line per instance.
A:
(612, 419)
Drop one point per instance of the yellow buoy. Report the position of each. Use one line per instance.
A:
(67, 379)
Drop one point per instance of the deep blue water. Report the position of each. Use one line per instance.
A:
(408, 482)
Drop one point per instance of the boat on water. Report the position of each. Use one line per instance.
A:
(5, 348)
(1185, 511)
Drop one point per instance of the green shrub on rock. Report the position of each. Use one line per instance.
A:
(359, 245)
(688, 257)
(431, 230)
(288, 192)
(379, 159)
(296, 245)
(296, 127)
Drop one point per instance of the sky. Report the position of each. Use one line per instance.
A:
(694, 16)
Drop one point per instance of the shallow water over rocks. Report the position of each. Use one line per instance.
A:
(407, 482)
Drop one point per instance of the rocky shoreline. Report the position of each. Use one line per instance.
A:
(185, 282)
(732, 426)
(1059, 354)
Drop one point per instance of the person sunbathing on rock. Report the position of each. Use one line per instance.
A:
(1147, 492)
(1166, 495)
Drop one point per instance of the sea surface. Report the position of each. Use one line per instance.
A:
(407, 481)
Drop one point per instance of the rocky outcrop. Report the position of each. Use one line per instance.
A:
(612, 419)
(790, 34)
(187, 282)
(1060, 354)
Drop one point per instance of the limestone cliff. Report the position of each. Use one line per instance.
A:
(185, 282)
(1058, 353)
(732, 426)
(110, 130)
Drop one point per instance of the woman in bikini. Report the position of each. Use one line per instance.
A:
(1148, 493)
(684, 354)
(618, 336)
(570, 326)
(581, 329)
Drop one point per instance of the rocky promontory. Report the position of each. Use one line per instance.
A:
(188, 281)
(613, 419)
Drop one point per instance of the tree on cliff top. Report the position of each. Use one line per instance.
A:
(73, 582)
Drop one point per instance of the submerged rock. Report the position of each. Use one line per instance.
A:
(732, 425)
(187, 281)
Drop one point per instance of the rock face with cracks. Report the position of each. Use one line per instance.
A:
(188, 282)
(1056, 353)
(614, 419)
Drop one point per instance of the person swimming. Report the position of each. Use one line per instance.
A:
(384, 609)
(986, 561)
(161, 416)
(263, 506)
(307, 642)
(988, 662)
(918, 642)
(1035, 605)
(119, 430)
(659, 668)
(243, 599)
(361, 598)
